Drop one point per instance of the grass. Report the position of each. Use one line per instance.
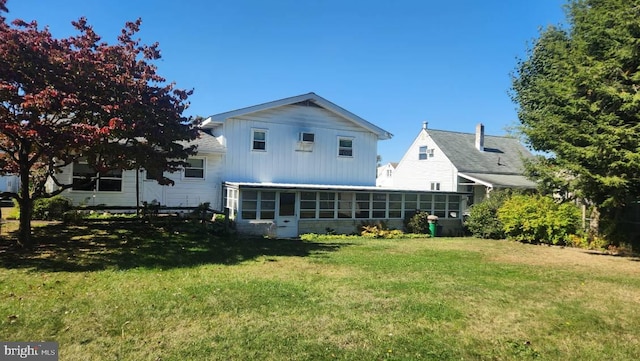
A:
(175, 293)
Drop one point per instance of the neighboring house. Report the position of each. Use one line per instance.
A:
(462, 162)
(296, 165)
(384, 176)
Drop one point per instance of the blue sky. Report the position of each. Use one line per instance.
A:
(394, 63)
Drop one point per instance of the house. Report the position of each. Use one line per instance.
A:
(471, 163)
(198, 183)
(384, 175)
(296, 165)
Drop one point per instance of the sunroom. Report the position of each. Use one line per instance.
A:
(288, 210)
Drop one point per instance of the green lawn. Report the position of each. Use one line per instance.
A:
(174, 293)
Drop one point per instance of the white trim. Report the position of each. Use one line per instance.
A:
(379, 132)
(266, 139)
(204, 170)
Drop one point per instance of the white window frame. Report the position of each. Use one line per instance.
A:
(435, 186)
(254, 131)
(99, 177)
(203, 168)
(341, 148)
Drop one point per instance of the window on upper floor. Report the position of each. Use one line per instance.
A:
(435, 186)
(259, 139)
(424, 152)
(195, 169)
(345, 147)
(389, 173)
(109, 181)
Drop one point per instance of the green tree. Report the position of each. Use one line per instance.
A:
(578, 100)
(63, 99)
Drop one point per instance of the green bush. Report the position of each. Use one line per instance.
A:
(51, 208)
(539, 219)
(483, 219)
(418, 223)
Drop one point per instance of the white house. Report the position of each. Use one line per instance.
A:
(384, 175)
(296, 165)
(469, 163)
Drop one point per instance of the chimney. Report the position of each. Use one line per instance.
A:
(480, 137)
(424, 125)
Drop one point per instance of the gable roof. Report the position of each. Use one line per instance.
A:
(206, 143)
(501, 155)
(309, 97)
(499, 165)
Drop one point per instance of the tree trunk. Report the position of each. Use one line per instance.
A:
(26, 209)
(594, 224)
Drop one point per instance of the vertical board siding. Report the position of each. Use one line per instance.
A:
(284, 162)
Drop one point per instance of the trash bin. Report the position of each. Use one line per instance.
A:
(433, 224)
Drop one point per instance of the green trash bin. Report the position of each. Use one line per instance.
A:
(433, 225)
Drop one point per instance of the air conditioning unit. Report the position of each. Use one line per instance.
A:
(306, 137)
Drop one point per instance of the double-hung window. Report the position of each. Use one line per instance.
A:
(195, 169)
(259, 140)
(345, 147)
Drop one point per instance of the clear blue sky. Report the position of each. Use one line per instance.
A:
(394, 63)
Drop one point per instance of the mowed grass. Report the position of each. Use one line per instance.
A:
(110, 292)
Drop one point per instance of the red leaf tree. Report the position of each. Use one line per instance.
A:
(63, 99)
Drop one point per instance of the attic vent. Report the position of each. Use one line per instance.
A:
(308, 103)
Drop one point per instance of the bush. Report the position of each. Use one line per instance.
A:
(539, 219)
(418, 223)
(483, 219)
(378, 230)
(51, 208)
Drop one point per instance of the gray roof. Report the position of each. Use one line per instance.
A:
(501, 156)
(206, 143)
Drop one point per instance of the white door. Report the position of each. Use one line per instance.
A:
(286, 220)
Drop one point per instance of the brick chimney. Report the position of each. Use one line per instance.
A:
(480, 137)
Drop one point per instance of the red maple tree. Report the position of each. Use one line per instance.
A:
(79, 97)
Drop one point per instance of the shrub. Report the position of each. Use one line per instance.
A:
(51, 208)
(378, 230)
(539, 219)
(418, 223)
(483, 219)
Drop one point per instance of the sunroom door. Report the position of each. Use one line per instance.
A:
(287, 221)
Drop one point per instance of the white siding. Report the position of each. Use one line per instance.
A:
(285, 162)
(418, 174)
(185, 192)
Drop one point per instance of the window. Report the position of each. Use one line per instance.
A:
(379, 205)
(424, 152)
(249, 204)
(110, 181)
(363, 206)
(308, 205)
(395, 205)
(327, 204)
(195, 169)
(345, 147)
(267, 205)
(440, 205)
(389, 173)
(435, 186)
(152, 174)
(259, 140)
(453, 205)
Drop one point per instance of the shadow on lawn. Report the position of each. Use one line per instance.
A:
(107, 245)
